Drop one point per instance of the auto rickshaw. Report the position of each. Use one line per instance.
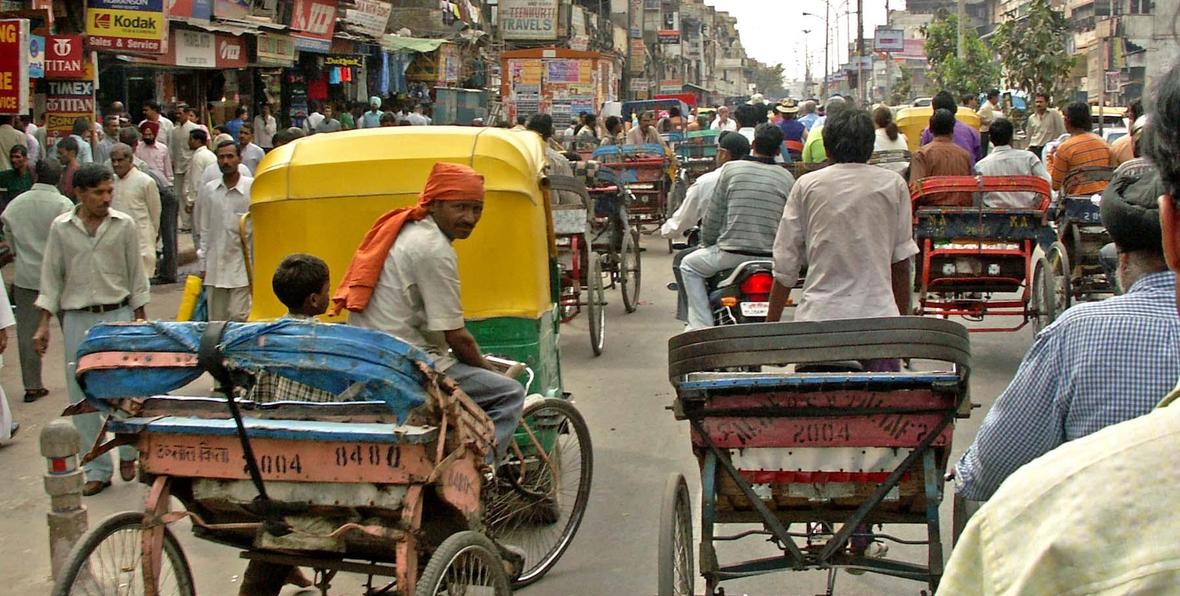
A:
(912, 121)
(321, 197)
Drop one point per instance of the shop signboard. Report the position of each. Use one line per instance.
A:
(668, 36)
(638, 57)
(671, 86)
(528, 20)
(126, 25)
(313, 21)
(36, 57)
(275, 50)
(200, 10)
(369, 17)
(344, 61)
(14, 66)
(194, 49)
(64, 57)
(231, 52)
(65, 102)
(888, 40)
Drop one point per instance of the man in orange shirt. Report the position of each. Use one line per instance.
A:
(942, 157)
(1083, 149)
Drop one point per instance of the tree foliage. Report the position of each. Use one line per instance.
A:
(1033, 50)
(903, 87)
(976, 72)
(768, 79)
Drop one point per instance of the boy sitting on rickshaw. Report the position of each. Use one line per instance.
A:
(404, 280)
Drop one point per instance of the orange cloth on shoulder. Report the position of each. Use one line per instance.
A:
(447, 182)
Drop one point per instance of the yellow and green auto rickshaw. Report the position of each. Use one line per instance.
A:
(912, 121)
(321, 194)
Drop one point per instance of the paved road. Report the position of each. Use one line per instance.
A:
(623, 395)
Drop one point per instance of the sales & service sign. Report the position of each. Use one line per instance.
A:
(126, 25)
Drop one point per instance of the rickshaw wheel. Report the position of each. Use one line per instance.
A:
(595, 304)
(676, 575)
(464, 560)
(544, 484)
(1062, 274)
(109, 560)
(629, 270)
(1040, 301)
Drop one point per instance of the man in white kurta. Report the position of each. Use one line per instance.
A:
(221, 205)
(137, 195)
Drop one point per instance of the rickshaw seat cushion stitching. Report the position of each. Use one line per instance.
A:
(886, 381)
(299, 430)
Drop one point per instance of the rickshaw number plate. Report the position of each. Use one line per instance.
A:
(755, 309)
(283, 459)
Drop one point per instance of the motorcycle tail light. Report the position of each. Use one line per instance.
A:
(729, 301)
(758, 284)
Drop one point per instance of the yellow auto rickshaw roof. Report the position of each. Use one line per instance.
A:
(394, 160)
(1108, 111)
(922, 114)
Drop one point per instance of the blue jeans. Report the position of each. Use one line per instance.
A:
(500, 397)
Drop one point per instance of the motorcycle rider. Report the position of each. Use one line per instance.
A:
(731, 146)
(741, 220)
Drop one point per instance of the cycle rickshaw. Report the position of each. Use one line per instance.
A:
(970, 257)
(819, 443)
(391, 479)
(646, 172)
(1074, 256)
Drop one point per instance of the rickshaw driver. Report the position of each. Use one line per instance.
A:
(404, 280)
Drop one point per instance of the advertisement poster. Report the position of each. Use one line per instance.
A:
(66, 101)
(14, 66)
(369, 17)
(528, 19)
(562, 71)
(126, 25)
(36, 57)
(200, 10)
(64, 57)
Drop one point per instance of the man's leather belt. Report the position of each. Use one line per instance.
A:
(750, 253)
(101, 308)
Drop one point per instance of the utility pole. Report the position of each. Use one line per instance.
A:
(962, 30)
(860, 51)
(806, 67)
(827, 39)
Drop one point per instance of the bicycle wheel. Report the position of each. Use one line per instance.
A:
(596, 304)
(1059, 268)
(629, 270)
(543, 486)
(109, 560)
(675, 548)
(1041, 303)
(464, 563)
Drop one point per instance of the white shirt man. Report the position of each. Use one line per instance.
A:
(696, 202)
(417, 118)
(312, 123)
(251, 156)
(265, 127)
(723, 122)
(1006, 161)
(221, 206)
(202, 159)
(136, 194)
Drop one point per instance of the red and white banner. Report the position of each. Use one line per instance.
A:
(64, 57)
(14, 66)
(314, 18)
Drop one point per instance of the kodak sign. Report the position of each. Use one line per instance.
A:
(135, 26)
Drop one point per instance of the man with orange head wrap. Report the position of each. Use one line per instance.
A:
(404, 280)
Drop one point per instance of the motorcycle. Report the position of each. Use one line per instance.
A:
(736, 296)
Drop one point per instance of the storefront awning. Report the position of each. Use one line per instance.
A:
(395, 43)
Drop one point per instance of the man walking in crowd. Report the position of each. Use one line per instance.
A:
(92, 273)
(222, 261)
(328, 123)
(17, 180)
(36, 151)
(135, 193)
(110, 136)
(723, 122)
(202, 158)
(265, 127)
(1043, 126)
(67, 156)
(962, 135)
(9, 137)
(83, 134)
(1083, 149)
(417, 118)
(372, 118)
(740, 223)
(154, 153)
(241, 116)
(1006, 161)
(987, 114)
(1072, 520)
(26, 223)
(807, 115)
(182, 153)
(169, 210)
(942, 157)
(153, 113)
(251, 154)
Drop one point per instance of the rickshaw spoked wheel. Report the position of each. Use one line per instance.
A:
(629, 270)
(544, 484)
(675, 565)
(1062, 274)
(596, 303)
(1040, 307)
(464, 560)
(108, 560)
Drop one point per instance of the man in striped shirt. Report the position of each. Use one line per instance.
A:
(1083, 149)
(741, 221)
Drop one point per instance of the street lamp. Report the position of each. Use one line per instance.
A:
(824, 91)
